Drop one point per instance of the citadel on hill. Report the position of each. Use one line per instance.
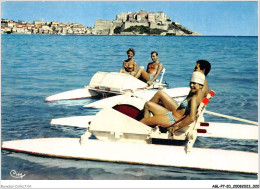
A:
(139, 23)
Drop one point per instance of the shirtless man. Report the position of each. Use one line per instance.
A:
(129, 65)
(153, 70)
(204, 67)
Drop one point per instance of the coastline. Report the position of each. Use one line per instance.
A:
(134, 35)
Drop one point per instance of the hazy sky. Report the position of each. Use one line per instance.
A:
(238, 18)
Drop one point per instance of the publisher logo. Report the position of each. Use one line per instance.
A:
(17, 175)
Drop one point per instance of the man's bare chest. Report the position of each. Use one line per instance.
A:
(153, 66)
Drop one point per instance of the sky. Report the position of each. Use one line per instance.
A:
(220, 18)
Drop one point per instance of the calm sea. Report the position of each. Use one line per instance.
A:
(36, 66)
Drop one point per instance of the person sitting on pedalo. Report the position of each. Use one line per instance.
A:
(129, 65)
(169, 112)
(153, 70)
(204, 67)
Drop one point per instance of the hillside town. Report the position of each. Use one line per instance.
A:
(138, 23)
(41, 27)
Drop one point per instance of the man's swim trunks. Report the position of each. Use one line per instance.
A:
(150, 77)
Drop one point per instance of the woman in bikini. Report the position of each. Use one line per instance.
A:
(129, 65)
(166, 111)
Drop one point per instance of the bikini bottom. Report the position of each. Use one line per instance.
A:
(169, 114)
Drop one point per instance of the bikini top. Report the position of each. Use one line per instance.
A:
(129, 65)
(185, 105)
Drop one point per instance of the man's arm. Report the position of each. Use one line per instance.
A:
(205, 88)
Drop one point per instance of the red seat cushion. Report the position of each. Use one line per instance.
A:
(129, 110)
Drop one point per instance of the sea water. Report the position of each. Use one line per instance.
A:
(34, 67)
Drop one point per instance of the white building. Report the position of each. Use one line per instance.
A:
(122, 16)
(151, 17)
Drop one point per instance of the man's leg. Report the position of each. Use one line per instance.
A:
(145, 76)
(142, 75)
